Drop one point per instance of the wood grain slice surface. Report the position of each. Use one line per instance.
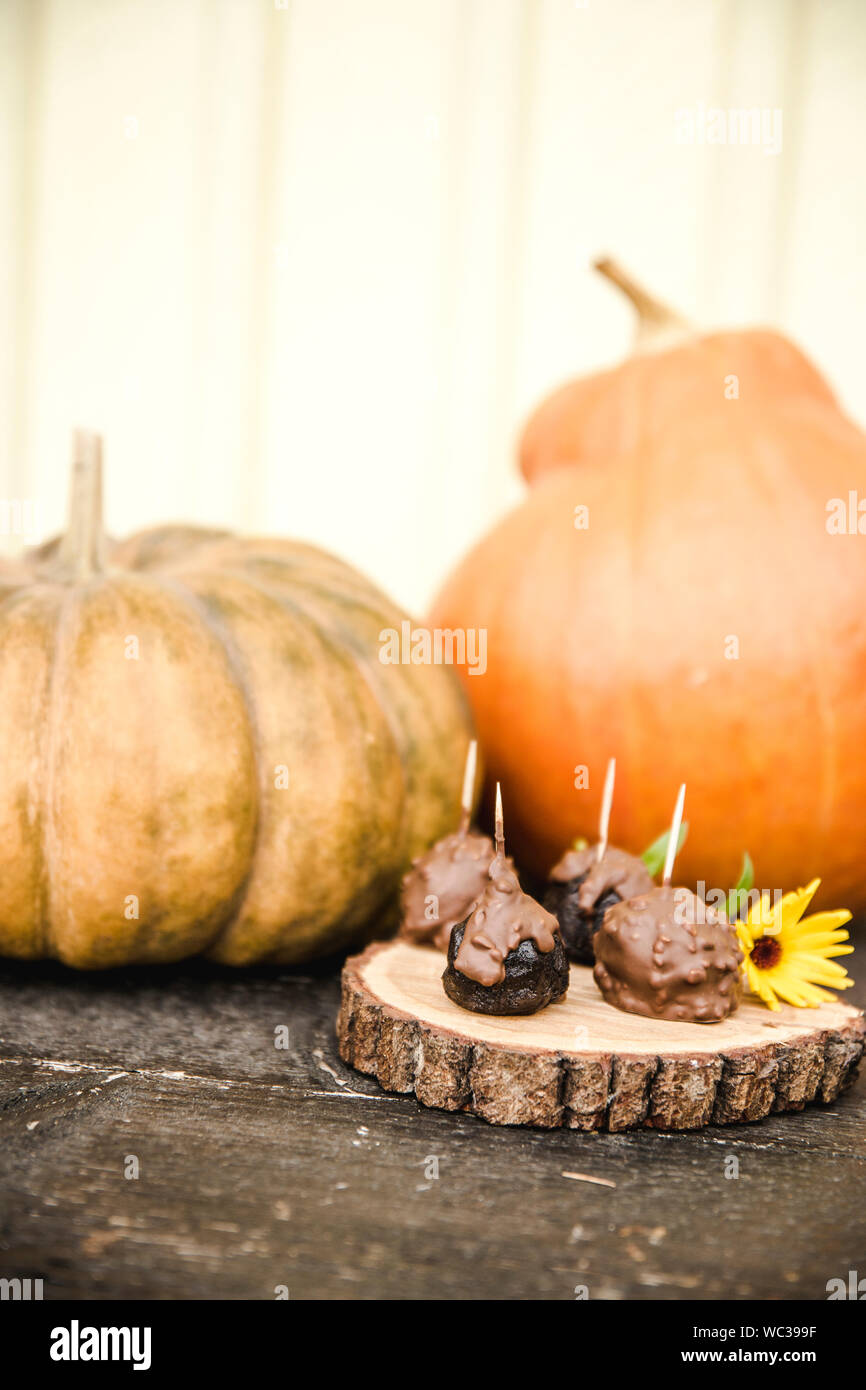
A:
(581, 1063)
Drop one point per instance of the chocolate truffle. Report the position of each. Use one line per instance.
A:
(666, 955)
(443, 886)
(582, 887)
(508, 956)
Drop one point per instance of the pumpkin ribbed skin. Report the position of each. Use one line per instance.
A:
(604, 416)
(156, 777)
(707, 520)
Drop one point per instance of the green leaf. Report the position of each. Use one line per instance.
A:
(744, 884)
(654, 857)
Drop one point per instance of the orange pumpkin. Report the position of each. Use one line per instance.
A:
(201, 750)
(683, 588)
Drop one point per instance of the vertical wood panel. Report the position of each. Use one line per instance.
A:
(824, 290)
(745, 231)
(232, 183)
(347, 247)
(353, 356)
(21, 23)
(115, 250)
(489, 114)
(607, 176)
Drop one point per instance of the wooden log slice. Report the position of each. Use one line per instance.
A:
(580, 1062)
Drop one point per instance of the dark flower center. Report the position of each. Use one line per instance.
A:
(766, 953)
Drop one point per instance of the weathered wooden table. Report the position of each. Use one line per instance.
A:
(261, 1167)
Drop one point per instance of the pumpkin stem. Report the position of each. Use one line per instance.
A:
(655, 319)
(82, 549)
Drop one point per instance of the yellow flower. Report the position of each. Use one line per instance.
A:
(786, 958)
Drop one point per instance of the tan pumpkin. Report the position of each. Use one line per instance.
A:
(201, 750)
(679, 590)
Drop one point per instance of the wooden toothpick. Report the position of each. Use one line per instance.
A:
(606, 803)
(673, 842)
(500, 829)
(468, 784)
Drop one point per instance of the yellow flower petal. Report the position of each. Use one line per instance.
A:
(813, 960)
(802, 965)
(793, 905)
(825, 921)
(825, 940)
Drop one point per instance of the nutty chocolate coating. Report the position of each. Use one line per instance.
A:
(454, 873)
(508, 956)
(582, 888)
(665, 954)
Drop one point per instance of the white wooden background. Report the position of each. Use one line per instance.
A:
(308, 264)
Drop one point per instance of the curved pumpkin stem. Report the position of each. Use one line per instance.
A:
(82, 549)
(656, 321)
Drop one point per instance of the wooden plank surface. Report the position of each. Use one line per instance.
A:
(262, 1167)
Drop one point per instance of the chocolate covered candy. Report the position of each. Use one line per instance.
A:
(443, 886)
(665, 954)
(582, 887)
(508, 956)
